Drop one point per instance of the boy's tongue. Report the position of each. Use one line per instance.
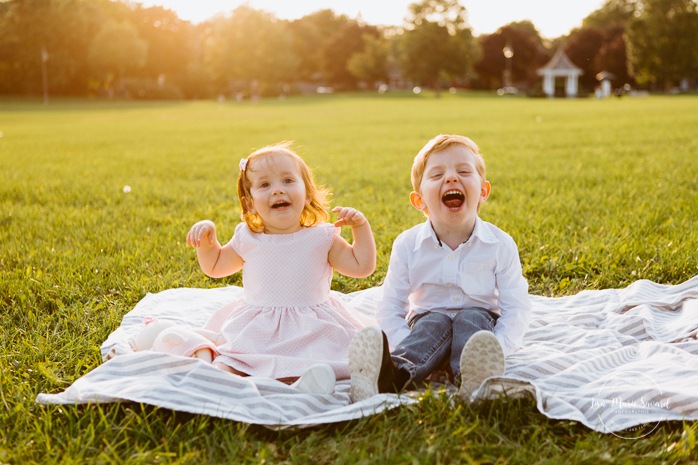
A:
(453, 200)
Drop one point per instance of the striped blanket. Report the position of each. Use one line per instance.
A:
(618, 361)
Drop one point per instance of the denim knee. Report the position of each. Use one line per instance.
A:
(474, 319)
(427, 345)
(431, 318)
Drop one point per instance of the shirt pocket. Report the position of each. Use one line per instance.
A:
(477, 279)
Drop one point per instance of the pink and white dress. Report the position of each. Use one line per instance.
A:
(287, 320)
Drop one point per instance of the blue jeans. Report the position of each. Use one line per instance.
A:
(437, 338)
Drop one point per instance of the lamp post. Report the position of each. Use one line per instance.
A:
(44, 74)
(508, 54)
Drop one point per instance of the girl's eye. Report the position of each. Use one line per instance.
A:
(264, 184)
(288, 180)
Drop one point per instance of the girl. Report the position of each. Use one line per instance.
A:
(287, 322)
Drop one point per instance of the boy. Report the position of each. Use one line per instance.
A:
(454, 291)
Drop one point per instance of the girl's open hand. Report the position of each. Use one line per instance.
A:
(347, 216)
(203, 230)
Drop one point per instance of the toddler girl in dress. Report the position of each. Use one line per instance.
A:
(287, 323)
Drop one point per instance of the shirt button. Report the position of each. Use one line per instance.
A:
(455, 299)
(468, 245)
(451, 257)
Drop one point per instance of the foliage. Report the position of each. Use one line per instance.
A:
(612, 56)
(438, 45)
(449, 14)
(582, 48)
(600, 45)
(339, 49)
(251, 46)
(117, 48)
(371, 65)
(308, 34)
(663, 42)
(60, 27)
(171, 41)
(529, 55)
(597, 194)
(250, 51)
(613, 13)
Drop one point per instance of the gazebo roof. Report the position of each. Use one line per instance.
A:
(560, 64)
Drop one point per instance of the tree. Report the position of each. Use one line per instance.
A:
(197, 79)
(116, 50)
(437, 44)
(308, 37)
(371, 65)
(61, 28)
(611, 20)
(612, 56)
(529, 55)
(613, 13)
(251, 49)
(169, 40)
(582, 47)
(340, 48)
(445, 13)
(663, 42)
(24, 36)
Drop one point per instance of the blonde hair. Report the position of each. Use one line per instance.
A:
(439, 143)
(318, 197)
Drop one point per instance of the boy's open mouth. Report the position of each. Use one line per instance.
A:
(453, 199)
(280, 204)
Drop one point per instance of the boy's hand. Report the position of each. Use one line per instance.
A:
(347, 216)
(202, 230)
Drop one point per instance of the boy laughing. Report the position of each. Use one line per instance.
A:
(454, 293)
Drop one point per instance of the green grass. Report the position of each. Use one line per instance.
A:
(597, 194)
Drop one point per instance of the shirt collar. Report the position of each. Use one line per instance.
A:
(482, 232)
(427, 233)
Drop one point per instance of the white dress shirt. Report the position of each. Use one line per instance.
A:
(425, 275)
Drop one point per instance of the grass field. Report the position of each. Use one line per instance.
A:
(597, 194)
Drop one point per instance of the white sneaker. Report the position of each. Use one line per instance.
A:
(365, 356)
(482, 357)
(318, 379)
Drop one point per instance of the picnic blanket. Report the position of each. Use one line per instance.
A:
(617, 360)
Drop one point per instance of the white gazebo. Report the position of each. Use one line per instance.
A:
(560, 66)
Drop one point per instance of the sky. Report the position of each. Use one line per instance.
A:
(552, 18)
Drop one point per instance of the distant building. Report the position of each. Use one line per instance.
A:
(560, 66)
(604, 78)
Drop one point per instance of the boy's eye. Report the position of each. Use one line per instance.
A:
(288, 180)
(263, 184)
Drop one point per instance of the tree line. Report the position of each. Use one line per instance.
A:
(114, 48)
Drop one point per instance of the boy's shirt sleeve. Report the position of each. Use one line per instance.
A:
(514, 303)
(393, 308)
